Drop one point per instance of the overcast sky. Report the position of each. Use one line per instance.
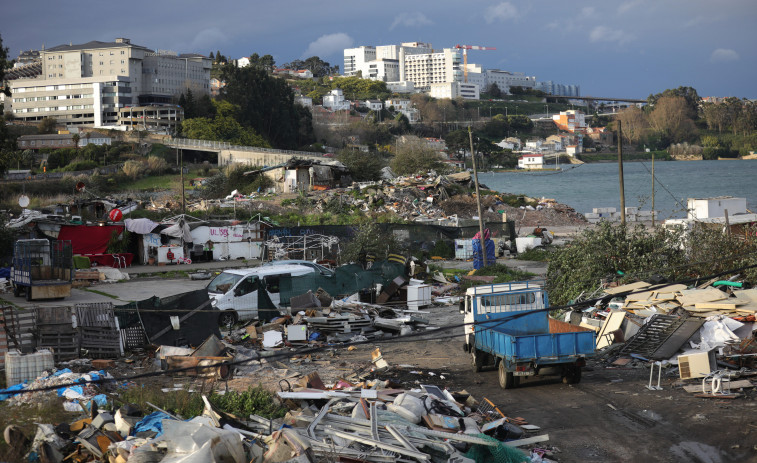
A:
(610, 48)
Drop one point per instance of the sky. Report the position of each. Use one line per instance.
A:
(621, 49)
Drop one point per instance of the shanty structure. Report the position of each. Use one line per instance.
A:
(298, 175)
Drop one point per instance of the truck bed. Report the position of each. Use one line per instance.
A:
(564, 343)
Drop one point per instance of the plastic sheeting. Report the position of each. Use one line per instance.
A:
(478, 259)
(195, 441)
(152, 422)
(88, 239)
(140, 226)
(717, 331)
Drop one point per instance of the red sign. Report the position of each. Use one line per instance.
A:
(116, 215)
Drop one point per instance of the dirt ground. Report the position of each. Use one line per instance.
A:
(610, 416)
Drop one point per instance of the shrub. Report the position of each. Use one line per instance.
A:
(156, 165)
(132, 169)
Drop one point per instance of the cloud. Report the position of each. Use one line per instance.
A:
(605, 34)
(208, 39)
(588, 11)
(329, 44)
(503, 11)
(411, 20)
(724, 55)
(627, 6)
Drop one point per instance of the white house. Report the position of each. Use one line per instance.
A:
(531, 161)
(334, 100)
(243, 62)
(398, 103)
(705, 208)
(374, 105)
(510, 143)
(534, 145)
(303, 100)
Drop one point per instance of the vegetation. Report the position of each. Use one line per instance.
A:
(363, 166)
(369, 238)
(414, 156)
(223, 126)
(185, 404)
(613, 251)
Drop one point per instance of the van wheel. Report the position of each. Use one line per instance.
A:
(506, 378)
(227, 318)
(479, 358)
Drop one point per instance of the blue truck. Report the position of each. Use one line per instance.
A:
(508, 326)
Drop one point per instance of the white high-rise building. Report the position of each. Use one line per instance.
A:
(507, 79)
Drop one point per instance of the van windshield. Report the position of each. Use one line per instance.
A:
(223, 283)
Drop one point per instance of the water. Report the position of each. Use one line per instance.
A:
(587, 186)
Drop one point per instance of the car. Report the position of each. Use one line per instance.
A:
(306, 263)
(328, 155)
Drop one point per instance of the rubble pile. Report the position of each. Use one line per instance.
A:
(370, 420)
(703, 337)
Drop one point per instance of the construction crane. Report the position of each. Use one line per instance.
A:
(465, 49)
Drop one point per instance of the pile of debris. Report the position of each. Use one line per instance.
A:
(367, 419)
(707, 332)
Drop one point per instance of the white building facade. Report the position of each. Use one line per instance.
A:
(334, 100)
(88, 84)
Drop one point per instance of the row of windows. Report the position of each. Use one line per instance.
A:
(51, 97)
(54, 108)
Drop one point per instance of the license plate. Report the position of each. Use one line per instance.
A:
(524, 373)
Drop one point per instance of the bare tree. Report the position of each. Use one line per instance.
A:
(672, 116)
(634, 124)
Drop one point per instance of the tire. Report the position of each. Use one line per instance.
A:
(506, 378)
(479, 359)
(227, 318)
(28, 293)
(16, 290)
(572, 375)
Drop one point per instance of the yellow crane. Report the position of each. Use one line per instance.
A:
(465, 49)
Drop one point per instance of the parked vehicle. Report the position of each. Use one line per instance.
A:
(42, 270)
(513, 331)
(239, 293)
(318, 267)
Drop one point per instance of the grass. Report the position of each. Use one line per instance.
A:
(539, 254)
(185, 404)
(158, 182)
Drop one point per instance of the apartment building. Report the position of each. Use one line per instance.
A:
(570, 121)
(454, 90)
(507, 79)
(425, 69)
(88, 84)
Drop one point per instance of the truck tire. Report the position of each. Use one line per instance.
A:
(28, 293)
(479, 359)
(506, 378)
(16, 290)
(572, 375)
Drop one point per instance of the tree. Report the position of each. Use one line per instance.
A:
(5, 140)
(716, 115)
(317, 66)
(520, 122)
(457, 142)
(494, 91)
(47, 125)
(265, 62)
(75, 138)
(633, 123)
(364, 167)
(672, 117)
(497, 127)
(689, 94)
(415, 156)
(266, 104)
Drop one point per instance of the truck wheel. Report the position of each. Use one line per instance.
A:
(506, 378)
(572, 376)
(479, 359)
(16, 290)
(227, 318)
(28, 293)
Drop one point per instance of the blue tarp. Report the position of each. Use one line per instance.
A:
(478, 260)
(152, 422)
(11, 391)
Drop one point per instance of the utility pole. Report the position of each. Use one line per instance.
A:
(620, 175)
(653, 190)
(478, 198)
(183, 199)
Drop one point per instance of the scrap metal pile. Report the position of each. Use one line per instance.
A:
(372, 420)
(707, 332)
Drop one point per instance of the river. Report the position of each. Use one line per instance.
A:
(586, 186)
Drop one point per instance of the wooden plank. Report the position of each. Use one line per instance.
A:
(629, 287)
(715, 305)
(726, 385)
(692, 296)
(612, 324)
(527, 441)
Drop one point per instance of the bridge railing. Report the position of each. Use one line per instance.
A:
(222, 145)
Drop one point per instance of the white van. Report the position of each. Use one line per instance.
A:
(235, 291)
